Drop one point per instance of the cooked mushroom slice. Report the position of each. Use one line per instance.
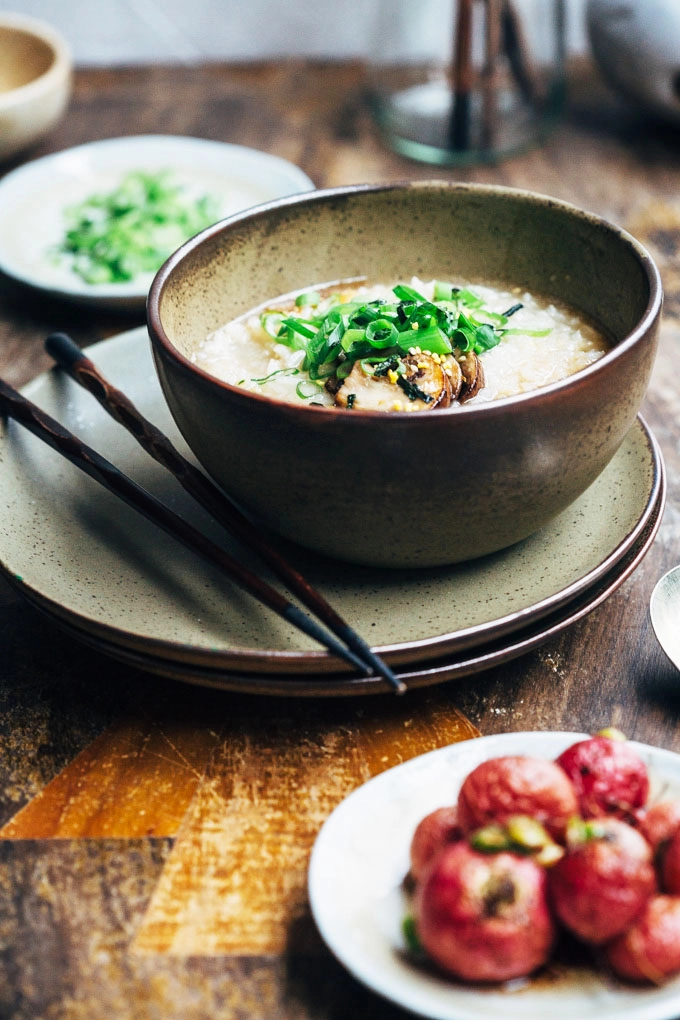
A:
(473, 376)
(418, 382)
(333, 384)
(455, 374)
(361, 390)
(427, 373)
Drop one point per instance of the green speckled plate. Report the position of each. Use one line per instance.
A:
(426, 674)
(110, 576)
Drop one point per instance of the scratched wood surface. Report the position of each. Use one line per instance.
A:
(154, 836)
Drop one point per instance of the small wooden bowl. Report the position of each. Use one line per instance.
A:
(35, 81)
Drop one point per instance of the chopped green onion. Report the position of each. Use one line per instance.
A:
(279, 371)
(309, 299)
(469, 298)
(323, 371)
(493, 317)
(116, 236)
(526, 332)
(351, 337)
(381, 333)
(410, 933)
(430, 339)
(485, 338)
(306, 389)
(271, 323)
(405, 293)
(445, 291)
(344, 368)
(297, 326)
(377, 334)
(470, 337)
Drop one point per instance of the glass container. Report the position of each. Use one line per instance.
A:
(466, 81)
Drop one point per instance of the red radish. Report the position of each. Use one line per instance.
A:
(658, 823)
(484, 917)
(602, 883)
(433, 833)
(668, 862)
(649, 951)
(503, 787)
(610, 779)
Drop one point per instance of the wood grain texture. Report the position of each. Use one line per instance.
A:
(236, 881)
(137, 779)
(107, 912)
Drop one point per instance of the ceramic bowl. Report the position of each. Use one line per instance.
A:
(408, 489)
(35, 81)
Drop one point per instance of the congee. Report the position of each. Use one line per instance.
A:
(414, 346)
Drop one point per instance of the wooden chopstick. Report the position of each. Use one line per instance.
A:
(22, 410)
(517, 52)
(353, 648)
(492, 42)
(463, 77)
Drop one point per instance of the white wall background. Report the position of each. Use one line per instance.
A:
(187, 31)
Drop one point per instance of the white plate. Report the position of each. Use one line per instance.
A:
(33, 199)
(357, 869)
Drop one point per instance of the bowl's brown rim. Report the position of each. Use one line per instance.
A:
(60, 66)
(646, 322)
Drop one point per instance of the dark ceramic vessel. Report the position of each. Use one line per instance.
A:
(408, 489)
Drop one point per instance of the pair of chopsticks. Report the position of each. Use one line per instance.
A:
(337, 635)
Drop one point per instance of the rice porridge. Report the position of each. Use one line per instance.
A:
(407, 347)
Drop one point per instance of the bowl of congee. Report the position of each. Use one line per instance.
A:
(409, 374)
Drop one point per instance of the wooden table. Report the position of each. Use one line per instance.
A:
(155, 835)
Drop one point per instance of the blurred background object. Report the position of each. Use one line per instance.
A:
(465, 81)
(637, 46)
(35, 81)
(170, 31)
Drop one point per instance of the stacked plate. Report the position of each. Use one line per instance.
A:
(118, 583)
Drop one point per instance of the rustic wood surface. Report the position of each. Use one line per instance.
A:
(154, 836)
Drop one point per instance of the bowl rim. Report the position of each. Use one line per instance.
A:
(160, 339)
(59, 69)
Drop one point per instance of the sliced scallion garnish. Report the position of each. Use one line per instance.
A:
(115, 236)
(306, 389)
(379, 333)
(272, 375)
(526, 332)
(298, 326)
(271, 323)
(308, 299)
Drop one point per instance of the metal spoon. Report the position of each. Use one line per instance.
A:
(664, 609)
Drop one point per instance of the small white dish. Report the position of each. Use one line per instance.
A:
(33, 199)
(356, 875)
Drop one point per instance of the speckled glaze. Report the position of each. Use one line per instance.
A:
(114, 580)
(422, 489)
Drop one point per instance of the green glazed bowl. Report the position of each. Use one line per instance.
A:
(408, 489)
